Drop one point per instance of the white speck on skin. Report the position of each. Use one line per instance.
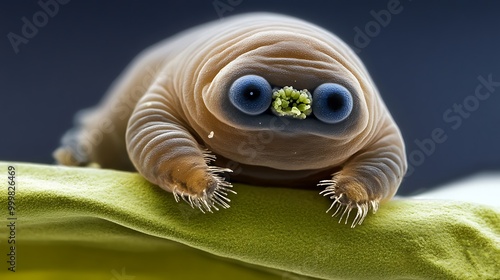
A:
(211, 135)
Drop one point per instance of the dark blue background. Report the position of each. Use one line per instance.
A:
(426, 59)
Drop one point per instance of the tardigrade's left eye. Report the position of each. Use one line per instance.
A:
(332, 103)
(251, 94)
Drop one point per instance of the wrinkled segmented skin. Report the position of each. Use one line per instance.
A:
(168, 116)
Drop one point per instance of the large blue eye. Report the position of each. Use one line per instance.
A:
(332, 103)
(251, 94)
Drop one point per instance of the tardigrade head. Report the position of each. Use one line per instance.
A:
(282, 93)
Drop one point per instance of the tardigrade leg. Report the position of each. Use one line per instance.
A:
(99, 133)
(370, 177)
(164, 151)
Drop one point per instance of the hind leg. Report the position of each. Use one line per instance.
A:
(98, 137)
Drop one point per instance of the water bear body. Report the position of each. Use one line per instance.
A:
(170, 117)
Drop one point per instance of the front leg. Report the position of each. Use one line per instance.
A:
(164, 151)
(369, 177)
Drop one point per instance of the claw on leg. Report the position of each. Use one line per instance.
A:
(212, 196)
(343, 205)
(207, 200)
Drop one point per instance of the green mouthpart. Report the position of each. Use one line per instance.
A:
(290, 102)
